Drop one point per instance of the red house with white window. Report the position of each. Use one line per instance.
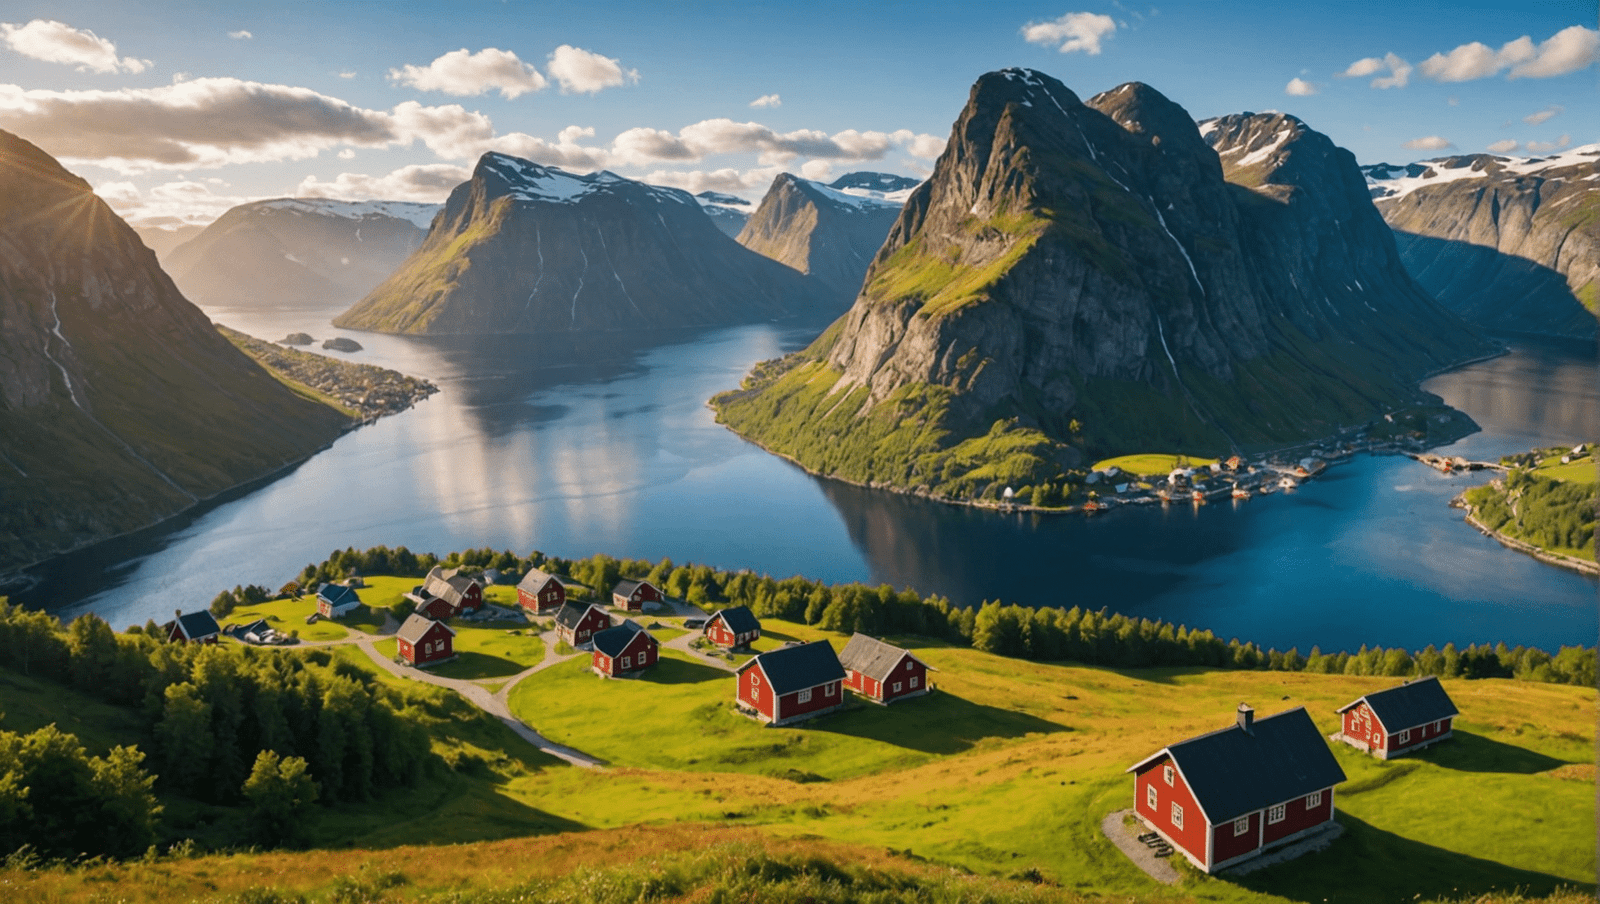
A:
(540, 593)
(632, 595)
(735, 626)
(624, 651)
(578, 623)
(196, 627)
(882, 672)
(424, 642)
(1399, 720)
(462, 592)
(792, 683)
(1225, 797)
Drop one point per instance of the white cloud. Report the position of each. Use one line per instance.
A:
(1299, 87)
(347, 75)
(183, 202)
(928, 147)
(1399, 70)
(584, 72)
(465, 74)
(347, 154)
(1544, 115)
(428, 183)
(452, 132)
(1503, 147)
(1075, 31)
(723, 180)
(1539, 147)
(1430, 143)
(767, 100)
(817, 170)
(1566, 51)
(1362, 68)
(565, 152)
(240, 35)
(57, 42)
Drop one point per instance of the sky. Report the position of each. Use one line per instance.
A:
(176, 110)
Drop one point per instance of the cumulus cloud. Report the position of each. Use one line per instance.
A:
(466, 74)
(817, 170)
(1399, 71)
(1430, 143)
(429, 183)
(347, 75)
(1566, 51)
(1544, 115)
(57, 42)
(1299, 87)
(240, 35)
(1539, 147)
(1075, 31)
(1503, 147)
(584, 72)
(728, 179)
(767, 100)
(178, 203)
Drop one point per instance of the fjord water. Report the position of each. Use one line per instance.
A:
(604, 444)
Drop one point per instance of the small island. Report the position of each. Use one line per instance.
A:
(363, 391)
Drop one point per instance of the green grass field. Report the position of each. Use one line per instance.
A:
(290, 616)
(1581, 471)
(1151, 465)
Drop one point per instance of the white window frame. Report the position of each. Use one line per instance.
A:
(1150, 798)
(755, 679)
(1241, 826)
(1314, 799)
(1177, 815)
(908, 665)
(1277, 814)
(896, 688)
(805, 696)
(627, 662)
(1405, 737)
(1167, 773)
(913, 680)
(829, 689)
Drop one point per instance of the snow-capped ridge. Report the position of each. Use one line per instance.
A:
(1388, 181)
(420, 215)
(529, 181)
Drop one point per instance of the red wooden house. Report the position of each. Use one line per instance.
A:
(578, 623)
(437, 608)
(337, 600)
(882, 672)
(1224, 797)
(632, 595)
(1399, 720)
(733, 627)
(540, 593)
(425, 642)
(792, 683)
(625, 650)
(196, 627)
(462, 592)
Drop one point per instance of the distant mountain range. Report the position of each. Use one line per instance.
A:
(298, 252)
(163, 240)
(1511, 243)
(728, 212)
(120, 404)
(822, 231)
(1104, 277)
(528, 248)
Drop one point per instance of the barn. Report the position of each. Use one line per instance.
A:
(882, 672)
(577, 623)
(425, 642)
(625, 650)
(792, 683)
(540, 593)
(337, 600)
(196, 627)
(632, 595)
(1227, 796)
(1399, 720)
(733, 627)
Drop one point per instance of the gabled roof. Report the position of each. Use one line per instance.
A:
(872, 657)
(1232, 772)
(447, 584)
(417, 625)
(534, 580)
(338, 594)
(626, 588)
(612, 641)
(196, 625)
(738, 619)
(571, 613)
(790, 669)
(1409, 705)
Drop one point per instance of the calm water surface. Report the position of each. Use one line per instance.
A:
(605, 445)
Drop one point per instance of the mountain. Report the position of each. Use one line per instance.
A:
(728, 212)
(120, 404)
(163, 240)
(876, 185)
(820, 231)
(1082, 277)
(298, 252)
(1510, 243)
(528, 248)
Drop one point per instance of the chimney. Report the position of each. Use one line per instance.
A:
(1247, 718)
(177, 613)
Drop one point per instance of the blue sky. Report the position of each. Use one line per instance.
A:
(178, 110)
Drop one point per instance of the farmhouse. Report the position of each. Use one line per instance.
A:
(625, 650)
(196, 627)
(540, 593)
(1398, 720)
(425, 642)
(577, 623)
(733, 627)
(1227, 796)
(792, 683)
(461, 592)
(632, 595)
(882, 672)
(337, 600)
(436, 608)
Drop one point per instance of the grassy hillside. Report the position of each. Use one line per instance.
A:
(1542, 502)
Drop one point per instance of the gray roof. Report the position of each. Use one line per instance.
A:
(1409, 705)
(873, 657)
(796, 668)
(198, 624)
(612, 641)
(738, 619)
(626, 588)
(571, 613)
(534, 579)
(447, 584)
(417, 625)
(1233, 773)
(338, 594)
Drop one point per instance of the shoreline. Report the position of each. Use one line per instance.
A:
(1581, 566)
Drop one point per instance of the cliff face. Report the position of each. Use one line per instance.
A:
(1509, 243)
(820, 231)
(120, 404)
(298, 252)
(1085, 275)
(528, 248)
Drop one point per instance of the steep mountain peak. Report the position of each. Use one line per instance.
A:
(823, 232)
(1144, 111)
(503, 175)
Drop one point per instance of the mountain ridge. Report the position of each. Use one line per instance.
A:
(819, 230)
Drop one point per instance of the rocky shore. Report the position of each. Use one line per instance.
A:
(369, 392)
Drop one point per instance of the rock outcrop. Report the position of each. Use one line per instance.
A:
(820, 231)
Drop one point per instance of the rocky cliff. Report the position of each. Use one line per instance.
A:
(1509, 243)
(524, 248)
(120, 404)
(821, 231)
(1083, 277)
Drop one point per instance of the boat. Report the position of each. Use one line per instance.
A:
(1240, 492)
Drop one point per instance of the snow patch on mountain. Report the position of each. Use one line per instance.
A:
(420, 215)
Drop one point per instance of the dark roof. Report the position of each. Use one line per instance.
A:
(872, 657)
(626, 588)
(417, 625)
(1409, 705)
(571, 613)
(1232, 772)
(447, 584)
(796, 668)
(338, 594)
(198, 624)
(738, 619)
(533, 580)
(612, 641)
(259, 626)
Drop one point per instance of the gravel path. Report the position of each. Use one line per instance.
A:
(1125, 837)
